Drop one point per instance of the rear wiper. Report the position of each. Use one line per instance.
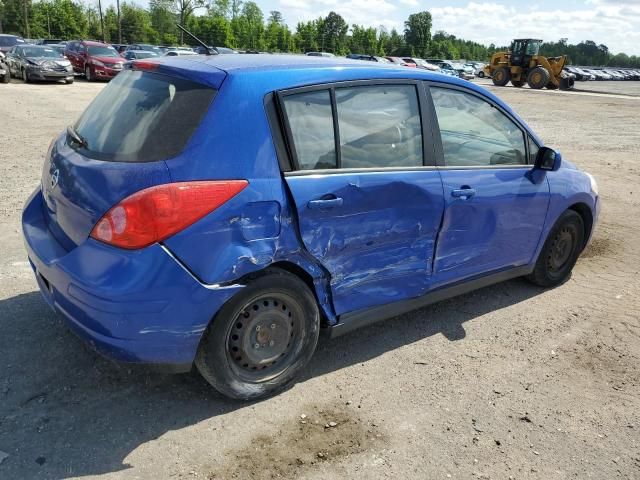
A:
(79, 139)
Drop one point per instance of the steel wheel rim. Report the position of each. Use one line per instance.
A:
(561, 250)
(264, 338)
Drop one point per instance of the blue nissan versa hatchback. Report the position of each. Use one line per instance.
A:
(224, 210)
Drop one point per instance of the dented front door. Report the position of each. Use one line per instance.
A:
(374, 232)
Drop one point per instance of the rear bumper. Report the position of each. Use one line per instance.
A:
(134, 306)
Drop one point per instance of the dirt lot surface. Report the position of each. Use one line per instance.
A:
(508, 382)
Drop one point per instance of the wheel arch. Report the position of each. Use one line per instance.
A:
(585, 212)
(317, 283)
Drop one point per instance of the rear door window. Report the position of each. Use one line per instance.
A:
(311, 124)
(379, 126)
(142, 116)
(372, 126)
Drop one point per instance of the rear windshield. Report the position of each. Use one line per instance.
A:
(142, 117)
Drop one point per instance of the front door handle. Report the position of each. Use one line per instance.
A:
(325, 203)
(463, 192)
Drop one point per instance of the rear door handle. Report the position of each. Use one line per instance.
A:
(463, 192)
(325, 203)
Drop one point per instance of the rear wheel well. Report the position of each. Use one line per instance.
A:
(293, 269)
(584, 211)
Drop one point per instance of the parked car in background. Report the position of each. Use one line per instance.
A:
(50, 41)
(144, 47)
(367, 58)
(60, 47)
(96, 60)
(401, 61)
(319, 54)
(5, 74)
(9, 41)
(179, 53)
(38, 62)
(448, 70)
(120, 47)
(201, 50)
(420, 63)
(139, 54)
(225, 50)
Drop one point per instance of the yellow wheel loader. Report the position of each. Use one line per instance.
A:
(522, 64)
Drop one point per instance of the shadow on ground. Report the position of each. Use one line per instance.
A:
(64, 411)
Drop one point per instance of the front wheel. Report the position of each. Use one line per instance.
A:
(87, 73)
(25, 76)
(6, 78)
(480, 74)
(261, 338)
(501, 76)
(560, 251)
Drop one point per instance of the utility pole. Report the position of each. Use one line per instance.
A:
(104, 39)
(25, 7)
(119, 22)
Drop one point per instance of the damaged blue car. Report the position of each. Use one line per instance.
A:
(223, 211)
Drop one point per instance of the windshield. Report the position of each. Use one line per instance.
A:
(41, 52)
(143, 117)
(102, 51)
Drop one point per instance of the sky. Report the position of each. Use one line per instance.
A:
(615, 23)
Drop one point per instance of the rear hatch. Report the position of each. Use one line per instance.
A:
(119, 145)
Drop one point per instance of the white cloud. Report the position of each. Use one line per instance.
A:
(617, 26)
(616, 23)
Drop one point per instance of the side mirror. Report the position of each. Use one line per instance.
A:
(548, 159)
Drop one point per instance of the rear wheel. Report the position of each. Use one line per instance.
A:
(517, 83)
(501, 76)
(538, 78)
(560, 251)
(261, 338)
(480, 74)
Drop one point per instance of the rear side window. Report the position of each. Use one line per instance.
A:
(311, 124)
(379, 126)
(143, 117)
(475, 133)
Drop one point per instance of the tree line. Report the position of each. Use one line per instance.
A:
(242, 24)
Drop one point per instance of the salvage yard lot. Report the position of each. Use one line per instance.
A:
(509, 381)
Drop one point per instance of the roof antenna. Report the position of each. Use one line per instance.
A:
(209, 50)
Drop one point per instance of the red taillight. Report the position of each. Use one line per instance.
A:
(154, 214)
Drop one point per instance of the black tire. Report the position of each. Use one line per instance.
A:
(87, 73)
(6, 78)
(551, 86)
(501, 76)
(69, 82)
(25, 76)
(538, 78)
(560, 251)
(517, 83)
(261, 338)
(480, 74)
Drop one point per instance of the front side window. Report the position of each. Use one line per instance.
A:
(379, 126)
(475, 133)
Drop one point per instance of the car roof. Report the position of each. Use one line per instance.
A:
(94, 43)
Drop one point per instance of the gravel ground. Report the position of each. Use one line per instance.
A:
(507, 382)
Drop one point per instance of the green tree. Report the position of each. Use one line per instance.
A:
(163, 20)
(417, 33)
(184, 9)
(333, 34)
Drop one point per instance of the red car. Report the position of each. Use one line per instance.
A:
(96, 60)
